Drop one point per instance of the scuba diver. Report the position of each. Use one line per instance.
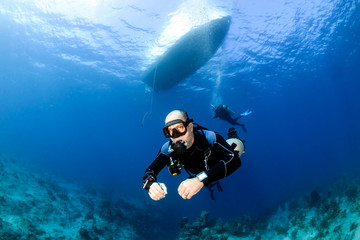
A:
(225, 113)
(204, 154)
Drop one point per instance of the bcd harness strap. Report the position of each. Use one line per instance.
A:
(210, 138)
(207, 154)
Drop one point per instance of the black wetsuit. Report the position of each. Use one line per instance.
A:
(223, 113)
(221, 163)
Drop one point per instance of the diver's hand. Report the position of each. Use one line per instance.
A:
(190, 187)
(157, 191)
(247, 112)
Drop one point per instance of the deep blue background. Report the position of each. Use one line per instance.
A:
(71, 99)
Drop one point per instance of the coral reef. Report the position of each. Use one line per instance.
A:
(331, 214)
(34, 205)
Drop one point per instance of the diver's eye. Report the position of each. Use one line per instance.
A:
(181, 128)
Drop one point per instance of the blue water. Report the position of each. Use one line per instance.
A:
(72, 100)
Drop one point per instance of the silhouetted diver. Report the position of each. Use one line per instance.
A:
(225, 113)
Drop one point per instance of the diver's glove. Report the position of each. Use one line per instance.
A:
(247, 112)
(148, 179)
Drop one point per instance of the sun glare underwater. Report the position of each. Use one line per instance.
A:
(79, 97)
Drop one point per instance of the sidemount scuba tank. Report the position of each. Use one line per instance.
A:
(235, 142)
(237, 145)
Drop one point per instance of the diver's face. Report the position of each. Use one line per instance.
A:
(188, 137)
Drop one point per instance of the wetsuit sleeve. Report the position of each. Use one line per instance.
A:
(227, 161)
(153, 170)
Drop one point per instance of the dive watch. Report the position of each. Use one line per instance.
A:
(202, 176)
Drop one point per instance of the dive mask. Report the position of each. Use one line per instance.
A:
(179, 130)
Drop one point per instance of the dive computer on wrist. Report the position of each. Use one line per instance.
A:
(202, 176)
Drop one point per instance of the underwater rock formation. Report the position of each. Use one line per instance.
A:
(331, 214)
(37, 206)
